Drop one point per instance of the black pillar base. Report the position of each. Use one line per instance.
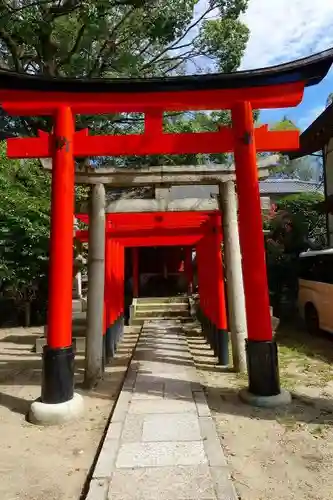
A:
(120, 329)
(222, 337)
(113, 336)
(209, 334)
(109, 343)
(263, 368)
(212, 338)
(205, 328)
(58, 375)
(104, 360)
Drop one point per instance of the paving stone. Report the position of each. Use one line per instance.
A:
(130, 379)
(148, 389)
(178, 389)
(201, 404)
(162, 483)
(122, 406)
(162, 442)
(211, 441)
(224, 487)
(196, 386)
(162, 406)
(147, 394)
(160, 454)
(114, 430)
(132, 429)
(179, 354)
(98, 489)
(179, 427)
(106, 460)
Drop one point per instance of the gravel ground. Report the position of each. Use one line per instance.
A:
(52, 463)
(283, 454)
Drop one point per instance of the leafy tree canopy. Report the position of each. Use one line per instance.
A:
(305, 169)
(24, 225)
(25, 191)
(107, 39)
(119, 38)
(307, 223)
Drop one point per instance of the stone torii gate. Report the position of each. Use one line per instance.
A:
(164, 176)
(62, 99)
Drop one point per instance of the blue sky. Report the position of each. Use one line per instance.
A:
(284, 30)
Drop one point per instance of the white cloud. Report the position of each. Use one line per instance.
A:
(284, 30)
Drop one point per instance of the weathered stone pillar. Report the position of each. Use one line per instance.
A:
(163, 195)
(95, 305)
(77, 286)
(233, 260)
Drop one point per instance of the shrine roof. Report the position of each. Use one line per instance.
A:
(310, 70)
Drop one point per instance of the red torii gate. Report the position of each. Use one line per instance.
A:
(276, 87)
(202, 230)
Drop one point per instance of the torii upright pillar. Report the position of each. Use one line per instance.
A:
(264, 383)
(233, 264)
(96, 278)
(135, 272)
(58, 402)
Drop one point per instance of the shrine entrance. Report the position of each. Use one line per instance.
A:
(160, 271)
(243, 92)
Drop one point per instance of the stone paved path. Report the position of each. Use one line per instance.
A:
(162, 442)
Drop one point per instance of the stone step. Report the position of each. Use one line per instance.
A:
(162, 300)
(139, 321)
(159, 306)
(79, 316)
(78, 322)
(77, 305)
(161, 313)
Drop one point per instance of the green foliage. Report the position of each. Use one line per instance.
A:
(92, 38)
(89, 39)
(286, 241)
(301, 168)
(25, 194)
(284, 124)
(24, 226)
(121, 38)
(223, 40)
(306, 219)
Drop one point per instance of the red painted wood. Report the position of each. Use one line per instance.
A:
(107, 283)
(121, 277)
(155, 241)
(188, 269)
(153, 142)
(135, 271)
(134, 220)
(113, 312)
(250, 227)
(201, 276)
(59, 332)
(45, 103)
(219, 296)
